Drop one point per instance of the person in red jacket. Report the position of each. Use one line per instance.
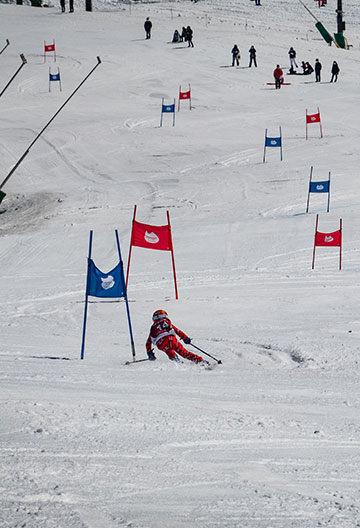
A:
(163, 335)
(278, 76)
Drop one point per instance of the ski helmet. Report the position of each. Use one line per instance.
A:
(159, 314)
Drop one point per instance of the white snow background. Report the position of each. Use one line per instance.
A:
(268, 439)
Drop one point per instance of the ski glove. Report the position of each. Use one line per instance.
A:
(187, 341)
(151, 355)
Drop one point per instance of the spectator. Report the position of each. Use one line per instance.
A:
(235, 55)
(278, 76)
(292, 56)
(335, 70)
(318, 67)
(183, 34)
(252, 52)
(147, 27)
(189, 37)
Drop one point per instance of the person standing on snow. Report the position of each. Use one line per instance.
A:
(163, 335)
(335, 70)
(318, 67)
(292, 56)
(252, 52)
(278, 76)
(189, 37)
(147, 27)
(235, 55)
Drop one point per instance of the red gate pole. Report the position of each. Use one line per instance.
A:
(172, 256)
(306, 125)
(316, 226)
(130, 249)
(321, 132)
(340, 243)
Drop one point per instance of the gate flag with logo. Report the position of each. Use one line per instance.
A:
(152, 237)
(184, 95)
(318, 187)
(54, 77)
(105, 285)
(313, 118)
(272, 142)
(167, 109)
(333, 239)
(49, 48)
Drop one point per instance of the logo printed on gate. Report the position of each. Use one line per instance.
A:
(319, 187)
(185, 95)
(151, 238)
(273, 142)
(107, 282)
(328, 238)
(313, 118)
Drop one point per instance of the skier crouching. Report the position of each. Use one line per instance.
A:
(163, 335)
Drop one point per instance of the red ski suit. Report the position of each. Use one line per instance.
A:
(163, 335)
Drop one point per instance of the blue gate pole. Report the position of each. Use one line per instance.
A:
(86, 300)
(280, 146)
(265, 145)
(125, 297)
(308, 199)
(328, 205)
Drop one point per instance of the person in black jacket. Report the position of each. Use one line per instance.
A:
(335, 70)
(189, 37)
(317, 70)
(252, 52)
(235, 55)
(147, 27)
(183, 34)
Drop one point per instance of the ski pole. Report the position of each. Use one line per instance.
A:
(136, 361)
(203, 351)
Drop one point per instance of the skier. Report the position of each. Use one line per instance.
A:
(147, 27)
(318, 67)
(252, 52)
(292, 55)
(335, 70)
(278, 76)
(62, 4)
(163, 335)
(189, 36)
(176, 37)
(235, 55)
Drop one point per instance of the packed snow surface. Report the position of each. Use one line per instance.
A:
(268, 439)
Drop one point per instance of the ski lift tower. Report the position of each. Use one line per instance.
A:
(339, 36)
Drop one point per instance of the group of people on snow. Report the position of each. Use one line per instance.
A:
(307, 69)
(236, 56)
(186, 35)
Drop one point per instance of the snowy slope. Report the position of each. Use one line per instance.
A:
(270, 438)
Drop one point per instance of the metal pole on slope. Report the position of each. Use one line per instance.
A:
(6, 45)
(2, 194)
(24, 61)
(203, 351)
